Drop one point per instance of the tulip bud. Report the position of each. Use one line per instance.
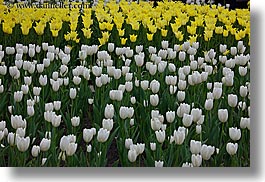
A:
(160, 136)
(89, 148)
(207, 152)
(30, 110)
(128, 143)
(45, 144)
(107, 124)
(75, 121)
(154, 100)
(231, 148)
(196, 160)
(170, 116)
(144, 84)
(243, 91)
(72, 93)
(110, 47)
(195, 147)
(187, 120)
(132, 155)
(223, 115)
(234, 133)
(35, 151)
(103, 135)
(159, 163)
(155, 124)
(196, 114)
(22, 143)
(18, 95)
(153, 146)
(154, 86)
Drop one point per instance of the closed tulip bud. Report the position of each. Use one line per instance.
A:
(182, 85)
(128, 143)
(196, 160)
(107, 124)
(209, 86)
(162, 66)
(160, 136)
(196, 114)
(154, 86)
(132, 155)
(243, 91)
(208, 104)
(18, 95)
(179, 136)
(207, 152)
(159, 163)
(234, 134)
(155, 124)
(11, 139)
(195, 147)
(71, 149)
(217, 93)
(232, 100)
(128, 86)
(181, 96)
(133, 100)
(103, 135)
(22, 143)
(110, 47)
(187, 120)
(139, 49)
(144, 84)
(170, 116)
(35, 151)
(30, 110)
(139, 60)
(222, 48)
(36, 91)
(153, 146)
(77, 80)
(233, 51)
(3, 70)
(56, 120)
(182, 55)
(154, 100)
(43, 80)
(75, 121)
(25, 89)
(88, 135)
(45, 144)
(242, 71)
(57, 105)
(223, 115)
(89, 148)
(72, 93)
(198, 129)
(231, 148)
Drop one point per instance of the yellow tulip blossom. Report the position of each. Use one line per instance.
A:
(164, 32)
(123, 41)
(108, 26)
(219, 30)
(102, 41)
(105, 35)
(225, 33)
(87, 32)
(121, 32)
(133, 38)
(149, 36)
(179, 35)
(191, 30)
(55, 33)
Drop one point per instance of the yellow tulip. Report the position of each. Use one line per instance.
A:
(121, 32)
(191, 30)
(87, 32)
(67, 37)
(133, 38)
(25, 30)
(102, 41)
(225, 33)
(149, 36)
(109, 26)
(179, 35)
(105, 35)
(163, 32)
(135, 26)
(123, 41)
(219, 30)
(55, 33)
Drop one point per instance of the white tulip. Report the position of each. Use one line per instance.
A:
(103, 135)
(48, 107)
(187, 164)
(182, 85)
(88, 134)
(128, 86)
(35, 151)
(170, 116)
(2, 125)
(57, 105)
(195, 147)
(243, 91)
(196, 160)
(22, 143)
(232, 100)
(139, 49)
(217, 93)
(18, 96)
(132, 155)
(208, 104)
(110, 47)
(196, 114)
(30, 110)
(198, 129)
(160, 136)
(89, 148)
(207, 151)
(154, 86)
(231, 148)
(187, 120)
(72, 93)
(128, 143)
(25, 89)
(162, 66)
(75, 121)
(153, 146)
(133, 100)
(233, 51)
(155, 124)
(139, 59)
(45, 144)
(56, 120)
(144, 84)
(182, 55)
(179, 136)
(159, 163)
(223, 115)
(154, 100)
(245, 123)
(71, 149)
(107, 124)
(234, 133)
(183, 108)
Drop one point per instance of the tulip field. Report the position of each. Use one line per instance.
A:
(122, 84)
